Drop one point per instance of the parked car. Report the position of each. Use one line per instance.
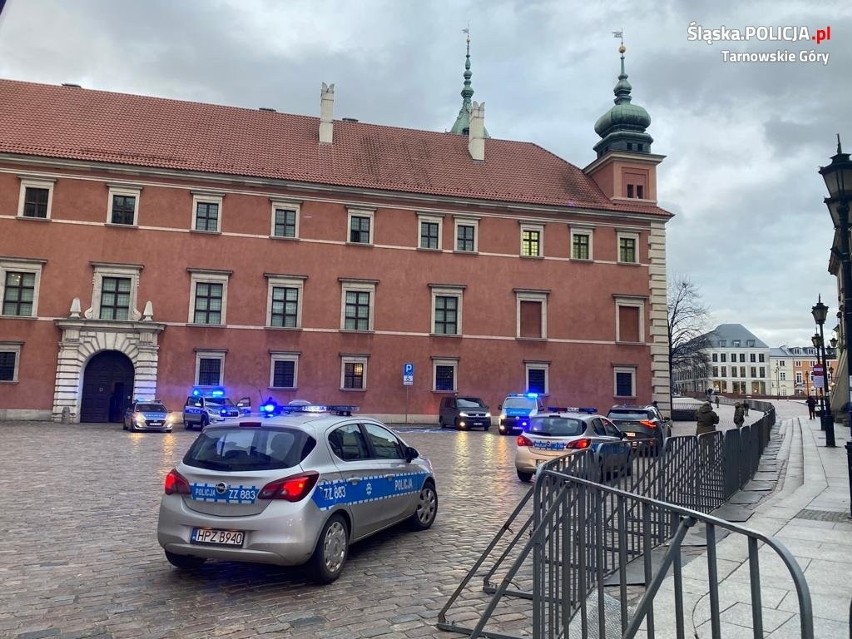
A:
(210, 404)
(148, 415)
(516, 411)
(547, 437)
(644, 426)
(464, 413)
(295, 488)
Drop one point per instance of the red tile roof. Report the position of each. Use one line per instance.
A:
(99, 126)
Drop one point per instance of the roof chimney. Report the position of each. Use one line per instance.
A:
(476, 135)
(326, 130)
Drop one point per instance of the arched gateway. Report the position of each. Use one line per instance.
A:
(107, 387)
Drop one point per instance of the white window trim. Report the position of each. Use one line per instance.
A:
(538, 366)
(115, 270)
(35, 183)
(465, 221)
(134, 192)
(434, 220)
(530, 296)
(627, 235)
(454, 363)
(288, 282)
(624, 369)
(12, 347)
(201, 198)
(352, 285)
(284, 357)
(211, 354)
(20, 266)
(636, 303)
(588, 233)
(212, 278)
(284, 205)
(352, 359)
(448, 291)
(532, 227)
(361, 213)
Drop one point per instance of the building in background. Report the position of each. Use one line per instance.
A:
(148, 245)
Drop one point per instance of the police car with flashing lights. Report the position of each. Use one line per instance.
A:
(297, 487)
(516, 410)
(210, 404)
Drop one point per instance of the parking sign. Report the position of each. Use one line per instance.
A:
(408, 374)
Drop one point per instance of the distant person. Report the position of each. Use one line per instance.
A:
(739, 414)
(745, 407)
(811, 407)
(717, 400)
(706, 420)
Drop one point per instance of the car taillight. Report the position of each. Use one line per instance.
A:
(175, 483)
(523, 440)
(292, 488)
(579, 444)
(648, 423)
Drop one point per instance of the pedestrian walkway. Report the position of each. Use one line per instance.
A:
(808, 512)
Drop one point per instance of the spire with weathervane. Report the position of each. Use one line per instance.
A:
(622, 128)
(462, 123)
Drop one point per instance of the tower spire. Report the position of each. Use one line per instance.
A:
(462, 123)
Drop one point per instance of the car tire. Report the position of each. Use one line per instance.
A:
(326, 564)
(124, 425)
(427, 508)
(187, 425)
(441, 423)
(484, 428)
(524, 476)
(205, 421)
(184, 562)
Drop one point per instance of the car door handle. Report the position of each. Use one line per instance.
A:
(389, 477)
(354, 480)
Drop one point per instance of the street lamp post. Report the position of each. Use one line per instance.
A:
(826, 419)
(838, 181)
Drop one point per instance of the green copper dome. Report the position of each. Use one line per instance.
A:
(623, 126)
(462, 123)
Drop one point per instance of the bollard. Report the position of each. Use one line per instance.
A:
(827, 424)
(66, 415)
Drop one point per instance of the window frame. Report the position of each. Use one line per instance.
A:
(468, 222)
(212, 354)
(634, 303)
(537, 366)
(451, 362)
(628, 235)
(284, 281)
(208, 277)
(35, 183)
(368, 214)
(620, 370)
(275, 357)
(207, 198)
(20, 265)
(358, 286)
(444, 290)
(123, 191)
(527, 227)
(526, 295)
(289, 207)
(430, 219)
(15, 349)
(589, 235)
(102, 270)
(353, 359)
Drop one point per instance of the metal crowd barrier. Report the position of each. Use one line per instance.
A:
(575, 557)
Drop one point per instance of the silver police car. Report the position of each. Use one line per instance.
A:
(295, 488)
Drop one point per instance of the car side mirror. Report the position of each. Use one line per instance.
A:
(411, 453)
(499, 406)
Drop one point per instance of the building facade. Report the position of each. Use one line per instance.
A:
(149, 245)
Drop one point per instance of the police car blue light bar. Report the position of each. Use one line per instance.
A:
(271, 408)
(208, 391)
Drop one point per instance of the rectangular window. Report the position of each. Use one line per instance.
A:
(742, 371)
(207, 216)
(208, 303)
(9, 357)
(123, 210)
(715, 371)
(35, 198)
(762, 371)
(445, 377)
(531, 241)
(359, 229)
(284, 368)
(629, 190)
(208, 368)
(627, 249)
(285, 307)
(466, 236)
(115, 298)
(19, 293)
(640, 191)
(724, 371)
(733, 371)
(742, 357)
(760, 357)
(537, 375)
(430, 233)
(735, 343)
(531, 314)
(354, 373)
(446, 314)
(284, 223)
(581, 246)
(753, 371)
(723, 357)
(629, 323)
(715, 357)
(357, 313)
(625, 385)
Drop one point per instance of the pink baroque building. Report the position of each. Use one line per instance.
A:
(148, 245)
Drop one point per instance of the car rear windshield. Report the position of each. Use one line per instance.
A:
(635, 415)
(469, 402)
(557, 426)
(151, 408)
(241, 449)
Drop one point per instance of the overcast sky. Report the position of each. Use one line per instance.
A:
(742, 140)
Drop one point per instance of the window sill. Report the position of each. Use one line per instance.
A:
(286, 238)
(203, 232)
(284, 328)
(582, 260)
(30, 218)
(458, 252)
(619, 342)
(531, 257)
(350, 243)
(196, 325)
(453, 335)
(354, 390)
(530, 339)
(8, 381)
(19, 317)
(427, 249)
(628, 263)
(116, 225)
(357, 331)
